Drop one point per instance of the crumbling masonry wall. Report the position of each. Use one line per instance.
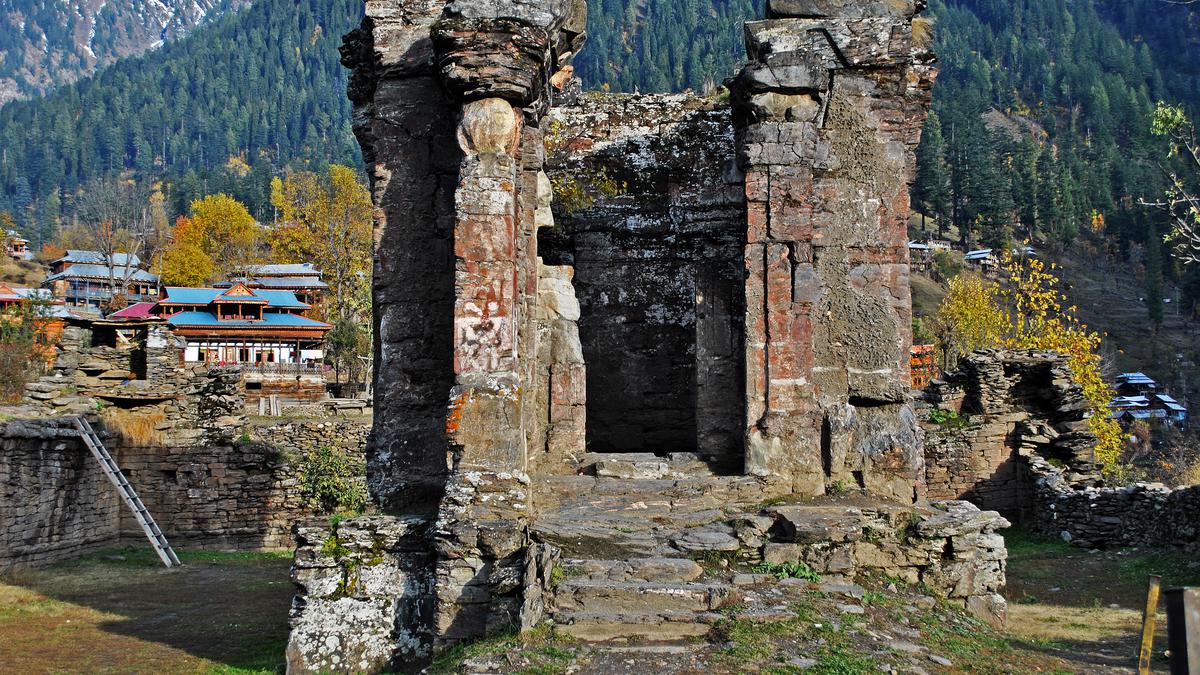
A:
(829, 113)
(242, 494)
(1012, 405)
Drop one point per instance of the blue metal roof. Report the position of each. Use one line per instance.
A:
(282, 299)
(205, 296)
(269, 320)
(99, 258)
(299, 269)
(240, 298)
(1132, 378)
(190, 296)
(83, 271)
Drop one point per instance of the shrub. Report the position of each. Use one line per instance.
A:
(334, 480)
(788, 570)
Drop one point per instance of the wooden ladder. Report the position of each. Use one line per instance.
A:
(155, 535)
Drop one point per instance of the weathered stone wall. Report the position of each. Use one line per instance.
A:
(1012, 405)
(953, 547)
(828, 114)
(1143, 514)
(242, 493)
(55, 502)
(658, 270)
(208, 480)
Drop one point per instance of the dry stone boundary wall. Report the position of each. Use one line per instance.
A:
(57, 504)
(1142, 514)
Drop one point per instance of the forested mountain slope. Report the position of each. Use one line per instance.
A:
(47, 44)
(221, 109)
(1042, 106)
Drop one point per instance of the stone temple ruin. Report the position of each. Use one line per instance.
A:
(703, 364)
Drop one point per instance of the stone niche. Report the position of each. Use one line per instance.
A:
(722, 320)
(658, 271)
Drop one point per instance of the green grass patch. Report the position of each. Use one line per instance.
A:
(840, 660)
(1176, 569)
(754, 641)
(265, 658)
(146, 557)
(1022, 542)
(788, 570)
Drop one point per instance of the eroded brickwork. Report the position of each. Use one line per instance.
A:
(829, 112)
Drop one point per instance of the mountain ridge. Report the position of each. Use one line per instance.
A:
(46, 45)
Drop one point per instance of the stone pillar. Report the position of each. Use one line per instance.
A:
(829, 112)
(405, 123)
(497, 60)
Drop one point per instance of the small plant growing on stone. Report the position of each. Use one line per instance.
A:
(788, 570)
(948, 418)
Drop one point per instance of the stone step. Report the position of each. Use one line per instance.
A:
(641, 598)
(645, 628)
(661, 570)
(644, 465)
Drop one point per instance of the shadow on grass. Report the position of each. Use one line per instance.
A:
(228, 608)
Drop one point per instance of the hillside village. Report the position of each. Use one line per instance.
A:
(815, 371)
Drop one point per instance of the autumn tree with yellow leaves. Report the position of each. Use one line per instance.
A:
(327, 220)
(1027, 310)
(219, 239)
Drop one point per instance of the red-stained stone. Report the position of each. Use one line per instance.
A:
(485, 238)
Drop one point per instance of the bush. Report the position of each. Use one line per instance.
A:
(334, 480)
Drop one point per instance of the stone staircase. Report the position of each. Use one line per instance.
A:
(633, 535)
(653, 599)
(628, 529)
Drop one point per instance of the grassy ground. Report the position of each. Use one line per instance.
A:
(123, 612)
(1087, 606)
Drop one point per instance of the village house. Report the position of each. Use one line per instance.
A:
(920, 255)
(240, 325)
(984, 258)
(1140, 399)
(87, 279)
(49, 315)
(17, 247)
(300, 278)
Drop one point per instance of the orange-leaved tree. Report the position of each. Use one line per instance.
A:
(185, 263)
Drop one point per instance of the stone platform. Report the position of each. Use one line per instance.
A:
(654, 558)
(616, 559)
